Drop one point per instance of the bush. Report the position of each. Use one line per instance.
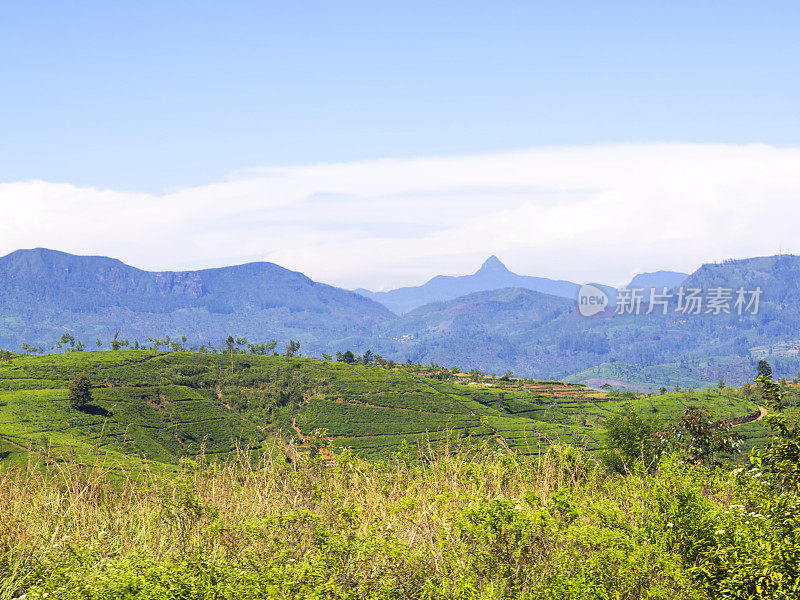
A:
(628, 439)
(80, 391)
(780, 457)
(698, 437)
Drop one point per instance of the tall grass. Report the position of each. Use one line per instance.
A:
(455, 521)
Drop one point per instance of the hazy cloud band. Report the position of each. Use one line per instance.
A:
(583, 213)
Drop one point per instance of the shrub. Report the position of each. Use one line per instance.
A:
(80, 391)
(780, 457)
(698, 437)
(628, 439)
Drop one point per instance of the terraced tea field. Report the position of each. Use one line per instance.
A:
(164, 405)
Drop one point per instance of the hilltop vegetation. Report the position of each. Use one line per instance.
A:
(163, 405)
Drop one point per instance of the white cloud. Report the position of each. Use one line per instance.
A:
(597, 213)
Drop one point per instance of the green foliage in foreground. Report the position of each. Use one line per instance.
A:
(465, 523)
(780, 456)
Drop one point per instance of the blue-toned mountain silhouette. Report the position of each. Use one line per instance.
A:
(658, 280)
(44, 293)
(492, 275)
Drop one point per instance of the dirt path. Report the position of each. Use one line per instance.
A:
(297, 430)
(762, 412)
(8, 441)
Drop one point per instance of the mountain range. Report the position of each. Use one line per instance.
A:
(44, 293)
(494, 320)
(492, 275)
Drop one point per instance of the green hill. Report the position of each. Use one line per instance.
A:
(165, 405)
(136, 409)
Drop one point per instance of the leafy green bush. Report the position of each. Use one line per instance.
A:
(698, 437)
(629, 437)
(780, 457)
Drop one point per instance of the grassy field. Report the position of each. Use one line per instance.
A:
(467, 522)
(164, 405)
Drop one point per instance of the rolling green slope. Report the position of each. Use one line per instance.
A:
(135, 411)
(165, 405)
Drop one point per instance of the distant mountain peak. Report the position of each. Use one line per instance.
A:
(493, 275)
(493, 265)
(658, 280)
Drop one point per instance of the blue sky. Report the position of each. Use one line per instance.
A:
(377, 144)
(156, 95)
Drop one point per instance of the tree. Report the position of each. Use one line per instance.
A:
(317, 443)
(629, 437)
(292, 347)
(348, 357)
(66, 341)
(720, 384)
(697, 437)
(80, 391)
(763, 369)
(367, 358)
(229, 344)
(261, 349)
(780, 456)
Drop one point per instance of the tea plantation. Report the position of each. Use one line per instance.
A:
(164, 405)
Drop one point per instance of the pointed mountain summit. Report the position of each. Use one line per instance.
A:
(493, 265)
(492, 275)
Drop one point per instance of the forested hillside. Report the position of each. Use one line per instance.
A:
(44, 293)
